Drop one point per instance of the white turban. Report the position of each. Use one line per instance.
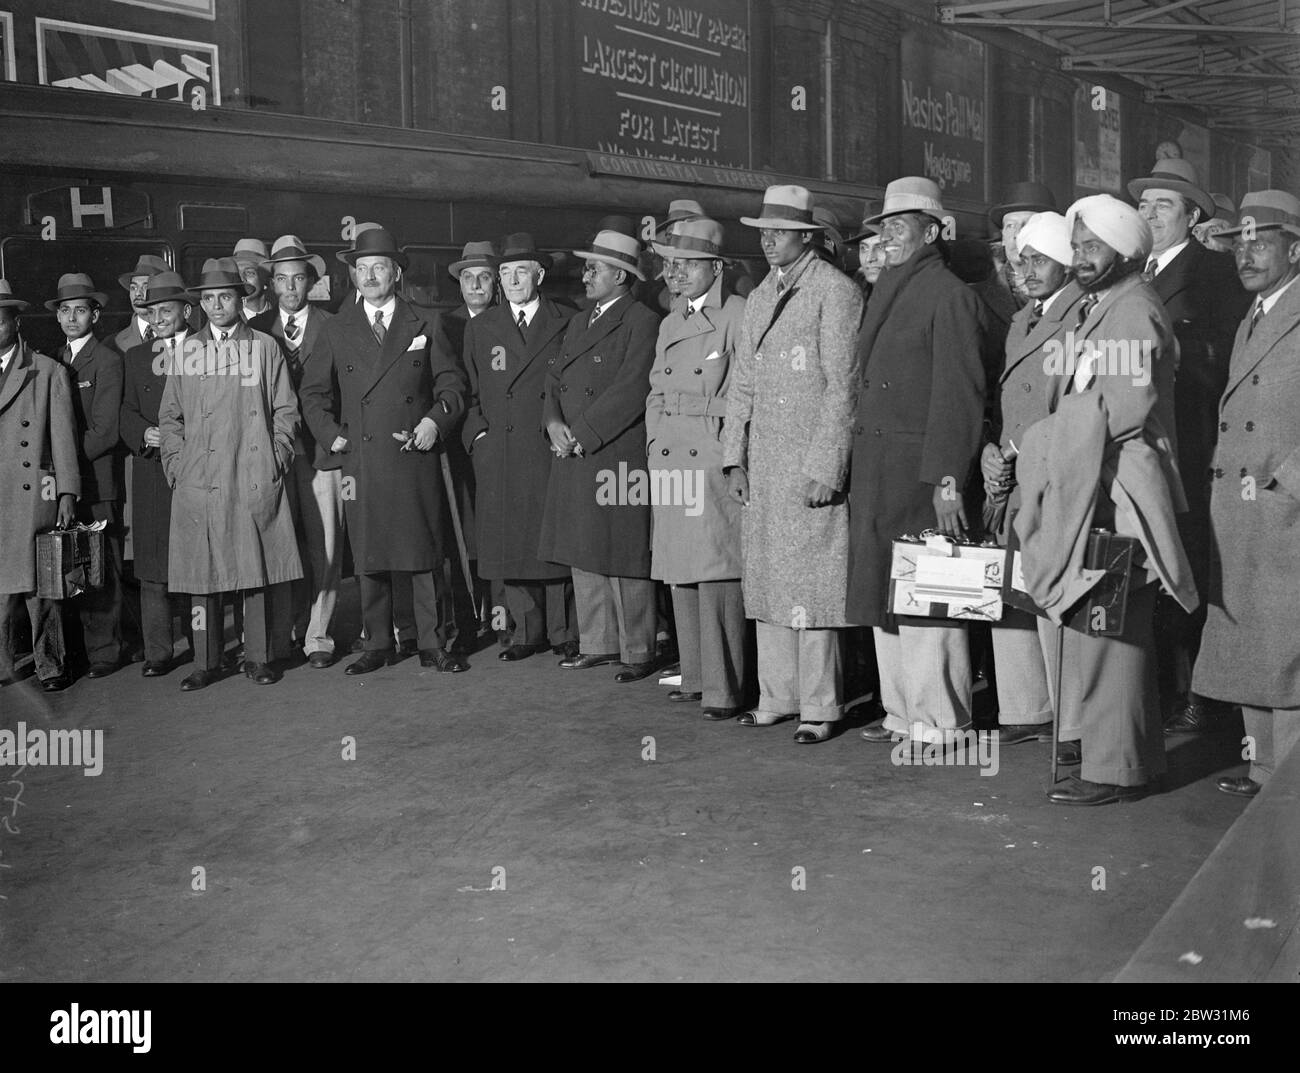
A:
(1115, 223)
(1049, 234)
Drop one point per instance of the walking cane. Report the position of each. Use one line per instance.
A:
(1056, 706)
(460, 532)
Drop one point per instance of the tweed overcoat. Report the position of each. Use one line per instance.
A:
(789, 411)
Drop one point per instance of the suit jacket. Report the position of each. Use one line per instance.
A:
(129, 337)
(505, 434)
(356, 388)
(454, 324)
(1249, 653)
(97, 401)
(151, 495)
(38, 454)
(297, 357)
(597, 385)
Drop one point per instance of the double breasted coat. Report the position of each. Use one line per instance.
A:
(505, 434)
(697, 537)
(38, 445)
(919, 419)
(789, 410)
(356, 388)
(1249, 650)
(96, 374)
(226, 423)
(597, 514)
(151, 494)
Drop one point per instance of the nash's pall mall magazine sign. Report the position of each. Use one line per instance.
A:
(662, 80)
(943, 135)
(104, 60)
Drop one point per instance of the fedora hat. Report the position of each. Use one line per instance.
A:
(1267, 209)
(291, 248)
(624, 225)
(785, 208)
(374, 242)
(617, 249)
(1023, 197)
(679, 210)
(7, 299)
(219, 274)
(75, 285)
(147, 265)
(1224, 209)
(830, 227)
(475, 255)
(912, 193)
(1178, 175)
(521, 247)
(869, 209)
(693, 240)
(166, 287)
(342, 255)
(250, 251)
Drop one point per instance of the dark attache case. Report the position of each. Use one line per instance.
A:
(1100, 613)
(69, 561)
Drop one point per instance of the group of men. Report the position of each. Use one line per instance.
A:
(754, 457)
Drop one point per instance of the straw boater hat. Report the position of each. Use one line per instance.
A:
(679, 210)
(292, 248)
(475, 255)
(375, 242)
(147, 265)
(250, 251)
(166, 287)
(911, 193)
(7, 299)
(1268, 210)
(785, 208)
(73, 285)
(612, 248)
(521, 247)
(219, 274)
(693, 240)
(1023, 197)
(358, 229)
(1179, 176)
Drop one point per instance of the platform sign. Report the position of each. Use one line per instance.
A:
(668, 81)
(201, 9)
(1097, 166)
(7, 72)
(943, 134)
(103, 60)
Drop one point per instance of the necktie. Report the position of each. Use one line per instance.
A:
(1086, 307)
(171, 347)
(148, 334)
(378, 326)
(780, 284)
(522, 323)
(1149, 273)
(291, 329)
(595, 316)
(688, 311)
(1256, 317)
(1036, 315)
(222, 336)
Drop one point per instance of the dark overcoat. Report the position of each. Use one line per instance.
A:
(919, 418)
(151, 495)
(597, 514)
(97, 400)
(505, 434)
(393, 500)
(304, 444)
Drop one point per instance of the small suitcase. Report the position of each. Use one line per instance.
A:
(69, 561)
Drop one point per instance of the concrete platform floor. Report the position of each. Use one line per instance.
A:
(615, 867)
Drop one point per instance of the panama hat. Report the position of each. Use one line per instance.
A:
(521, 247)
(912, 193)
(147, 265)
(693, 240)
(475, 255)
(679, 210)
(1178, 175)
(614, 248)
(291, 248)
(250, 251)
(166, 287)
(74, 285)
(219, 274)
(785, 208)
(7, 299)
(374, 242)
(1023, 197)
(1267, 209)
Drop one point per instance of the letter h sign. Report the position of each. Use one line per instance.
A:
(80, 211)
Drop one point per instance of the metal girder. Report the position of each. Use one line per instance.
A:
(1215, 30)
(1175, 72)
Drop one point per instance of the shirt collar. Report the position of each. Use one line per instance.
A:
(77, 346)
(1269, 302)
(1163, 259)
(529, 309)
(177, 341)
(300, 318)
(8, 356)
(1051, 298)
(387, 310)
(697, 304)
(602, 306)
(142, 325)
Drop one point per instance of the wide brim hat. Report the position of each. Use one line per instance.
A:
(1023, 197)
(1265, 210)
(166, 287)
(292, 248)
(785, 208)
(375, 242)
(475, 255)
(1224, 209)
(679, 210)
(1179, 176)
(617, 249)
(250, 251)
(73, 285)
(219, 274)
(830, 226)
(147, 265)
(8, 299)
(912, 193)
(357, 229)
(693, 240)
(521, 247)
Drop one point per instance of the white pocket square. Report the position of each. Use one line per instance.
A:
(714, 356)
(83, 383)
(419, 342)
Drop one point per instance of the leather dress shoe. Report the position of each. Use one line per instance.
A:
(153, 670)
(1015, 734)
(447, 662)
(812, 733)
(1069, 753)
(678, 695)
(569, 650)
(583, 661)
(1197, 716)
(57, 684)
(719, 714)
(261, 673)
(634, 672)
(1238, 785)
(197, 680)
(101, 670)
(671, 670)
(320, 659)
(515, 653)
(878, 732)
(410, 647)
(1077, 791)
(372, 660)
